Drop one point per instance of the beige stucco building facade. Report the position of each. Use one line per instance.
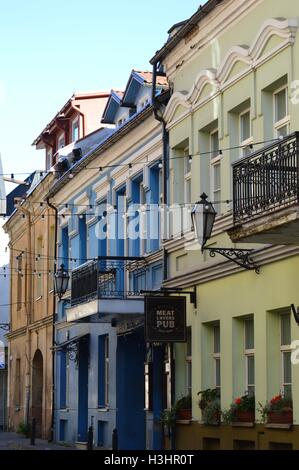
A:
(31, 230)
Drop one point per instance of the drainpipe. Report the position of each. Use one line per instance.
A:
(29, 309)
(165, 159)
(53, 326)
(75, 108)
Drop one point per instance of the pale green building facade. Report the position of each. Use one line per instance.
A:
(233, 68)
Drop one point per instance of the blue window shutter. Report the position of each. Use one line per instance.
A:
(63, 379)
(101, 372)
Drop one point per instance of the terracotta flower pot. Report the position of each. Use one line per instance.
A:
(245, 416)
(184, 414)
(282, 417)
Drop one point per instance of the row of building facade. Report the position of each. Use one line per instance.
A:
(217, 115)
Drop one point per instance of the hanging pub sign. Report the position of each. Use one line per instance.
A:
(165, 319)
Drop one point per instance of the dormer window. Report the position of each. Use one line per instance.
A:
(121, 122)
(144, 103)
(75, 130)
(61, 142)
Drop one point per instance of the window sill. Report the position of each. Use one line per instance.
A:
(278, 426)
(39, 298)
(184, 421)
(103, 409)
(243, 425)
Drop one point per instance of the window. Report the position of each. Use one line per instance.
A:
(75, 130)
(249, 356)
(216, 356)
(82, 239)
(281, 118)
(167, 398)
(49, 155)
(144, 103)
(148, 386)
(18, 383)
(189, 363)
(215, 170)
(103, 371)
(19, 282)
(106, 369)
(51, 249)
(285, 349)
(187, 176)
(160, 186)
(61, 142)
(64, 379)
(245, 132)
(39, 262)
(142, 219)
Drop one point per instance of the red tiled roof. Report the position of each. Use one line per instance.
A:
(148, 78)
(119, 93)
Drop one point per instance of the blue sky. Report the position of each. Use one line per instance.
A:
(49, 49)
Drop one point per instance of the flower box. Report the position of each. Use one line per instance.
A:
(245, 416)
(184, 414)
(280, 417)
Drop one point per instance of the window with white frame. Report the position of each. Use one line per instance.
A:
(187, 176)
(245, 131)
(281, 118)
(216, 357)
(160, 186)
(107, 369)
(142, 218)
(186, 219)
(285, 349)
(75, 130)
(249, 356)
(189, 363)
(215, 170)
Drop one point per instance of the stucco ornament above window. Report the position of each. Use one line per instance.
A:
(210, 82)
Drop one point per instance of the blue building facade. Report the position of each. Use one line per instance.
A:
(109, 241)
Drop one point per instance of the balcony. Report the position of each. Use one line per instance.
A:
(266, 195)
(109, 285)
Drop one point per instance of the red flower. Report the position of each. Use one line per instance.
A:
(238, 401)
(276, 399)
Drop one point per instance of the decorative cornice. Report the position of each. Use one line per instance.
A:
(16, 333)
(249, 55)
(44, 322)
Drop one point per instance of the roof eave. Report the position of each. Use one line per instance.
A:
(182, 32)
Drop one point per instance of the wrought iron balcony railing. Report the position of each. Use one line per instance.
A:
(108, 277)
(267, 179)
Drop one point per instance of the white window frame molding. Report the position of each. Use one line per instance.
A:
(286, 348)
(285, 121)
(246, 142)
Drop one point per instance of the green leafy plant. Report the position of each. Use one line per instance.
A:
(278, 404)
(168, 417)
(184, 403)
(244, 404)
(209, 403)
(24, 429)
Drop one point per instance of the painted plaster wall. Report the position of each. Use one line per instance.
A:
(231, 297)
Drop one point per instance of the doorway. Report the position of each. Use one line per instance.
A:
(37, 391)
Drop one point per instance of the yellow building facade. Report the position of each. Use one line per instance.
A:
(31, 230)
(233, 67)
